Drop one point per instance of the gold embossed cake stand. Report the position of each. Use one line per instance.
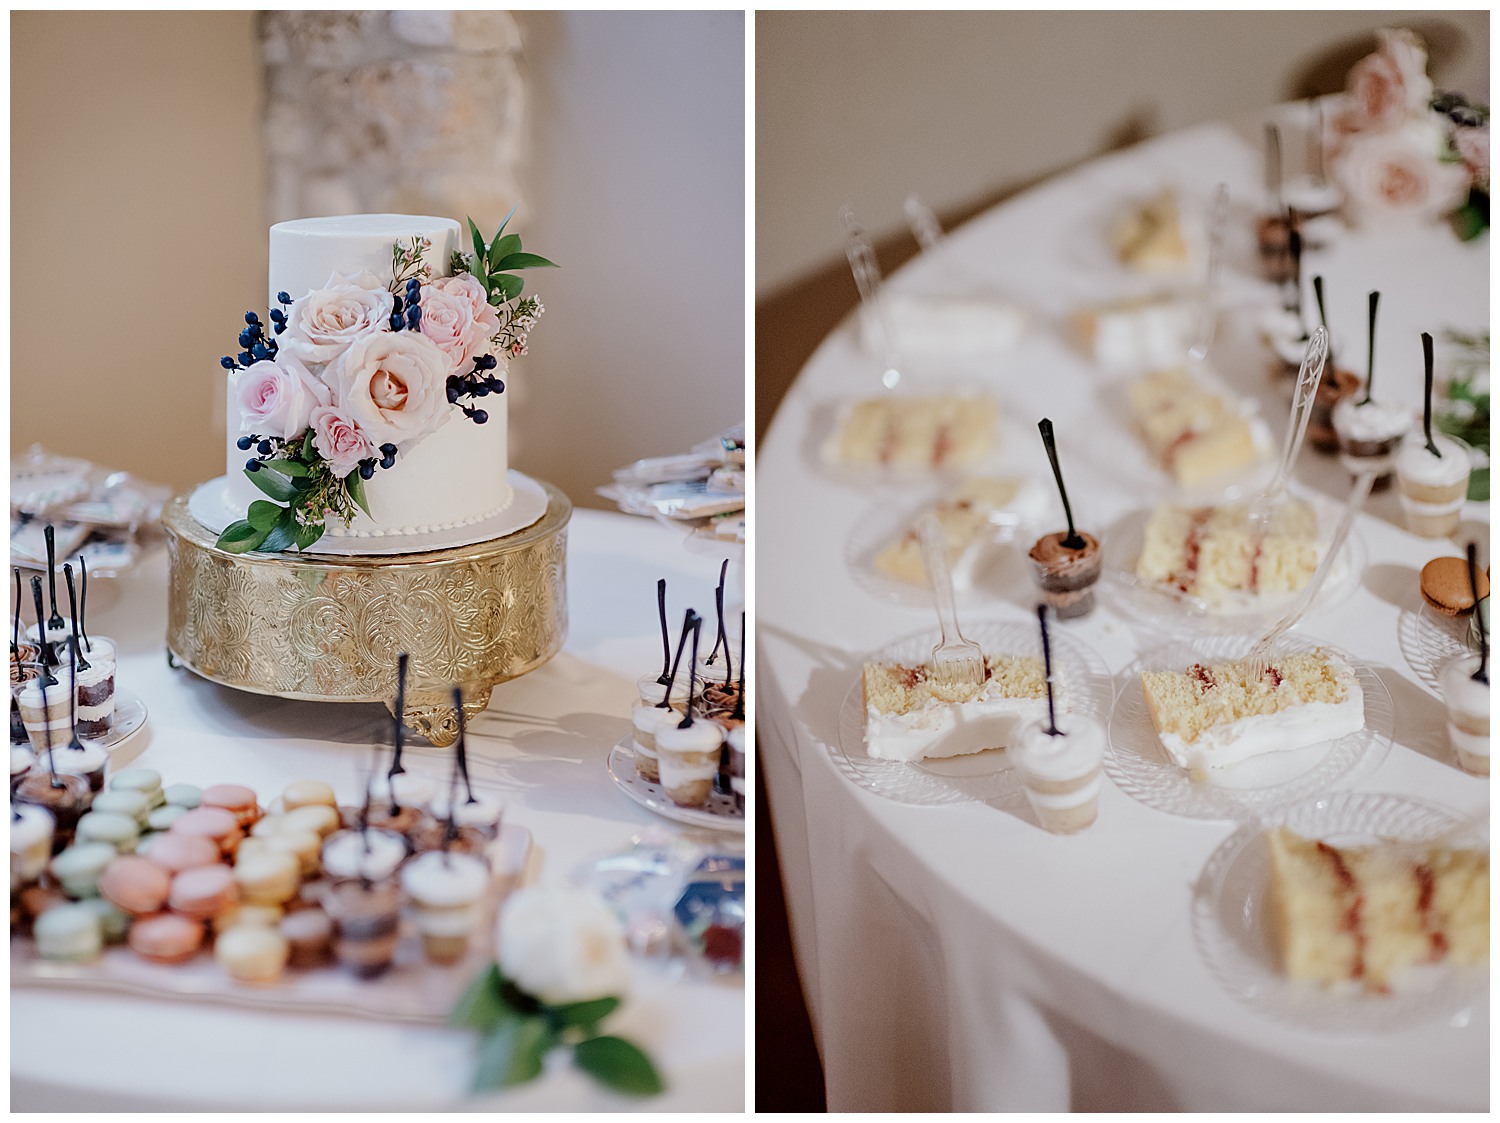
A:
(328, 628)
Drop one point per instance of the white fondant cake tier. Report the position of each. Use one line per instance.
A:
(215, 505)
(455, 478)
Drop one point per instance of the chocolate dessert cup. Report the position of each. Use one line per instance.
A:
(1067, 575)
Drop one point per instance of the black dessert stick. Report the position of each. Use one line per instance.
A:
(78, 659)
(688, 622)
(15, 630)
(1483, 673)
(1294, 245)
(687, 719)
(1370, 364)
(666, 642)
(73, 741)
(1074, 540)
(739, 702)
(460, 748)
(1317, 143)
(1427, 395)
(83, 601)
(450, 827)
(400, 731)
(719, 635)
(55, 621)
(1273, 162)
(1323, 319)
(47, 678)
(1041, 618)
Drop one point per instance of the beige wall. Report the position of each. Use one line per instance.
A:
(959, 107)
(134, 176)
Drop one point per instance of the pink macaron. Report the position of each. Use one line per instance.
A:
(135, 885)
(204, 892)
(212, 823)
(177, 852)
(237, 799)
(166, 938)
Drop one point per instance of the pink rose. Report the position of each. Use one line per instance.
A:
(1399, 176)
(276, 396)
(1473, 145)
(339, 440)
(448, 320)
(1387, 87)
(326, 321)
(486, 318)
(393, 385)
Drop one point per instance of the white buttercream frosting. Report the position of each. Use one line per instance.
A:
(1372, 421)
(410, 789)
(1075, 752)
(1416, 463)
(943, 729)
(345, 855)
(438, 880)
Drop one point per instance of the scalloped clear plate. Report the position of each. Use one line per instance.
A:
(1153, 608)
(1140, 767)
(1078, 671)
(720, 814)
(1430, 641)
(1232, 923)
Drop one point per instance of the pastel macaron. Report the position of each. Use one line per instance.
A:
(266, 916)
(183, 795)
(252, 953)
(166, 937)
(113, 924)
(78, 868)
(177, 852)
(147, 781)
(211, 822)
(161, 818)
(268, 878)
(68, 932)
(120, 831)
(308, 793)
(204, 892)
(135, 885)
(123, 801)
(237, 799)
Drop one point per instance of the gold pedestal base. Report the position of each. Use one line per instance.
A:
(329, 628)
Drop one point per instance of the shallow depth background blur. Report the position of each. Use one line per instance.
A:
(966, 109)
(139, 234)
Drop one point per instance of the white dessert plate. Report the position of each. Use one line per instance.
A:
(1233, 923)
(1077, 670)
(413, 990)
(999, 560)
(719, 815)
(1155, 608)
(1140, 767)
(1430, 641)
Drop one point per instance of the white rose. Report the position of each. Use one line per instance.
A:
(562, 945)
(276, 397)
(1398, 175)
(393, 385)
(322, 324)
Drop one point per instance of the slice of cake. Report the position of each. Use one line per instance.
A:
(1193, 432)
(1149, 237)
(1212, 717)
(909, 715)
(1210, 552)
(916, 433)
(1367, 914)
(966, 518)
(1137, 333)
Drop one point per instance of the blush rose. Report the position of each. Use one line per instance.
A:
(1389, 86)
(393, 385)
(339, 440)
(322, 324)
(1398, 175)
(276, 397)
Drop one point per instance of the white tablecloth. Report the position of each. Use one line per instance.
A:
(958, 957)
(542, 745)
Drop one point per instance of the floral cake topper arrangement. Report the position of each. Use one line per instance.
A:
(351, 375)
(1402, 150)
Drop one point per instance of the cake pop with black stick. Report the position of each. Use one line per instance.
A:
(688, 751)
(1066, 565)
(650, 718)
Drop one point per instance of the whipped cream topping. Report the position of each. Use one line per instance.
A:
(700, 737)
(438, 880)
(1371, 421)
(1464, 696)
(484, 812)
(1075, 752)
(410, 790)
(80, 762)
(344, 854)
(1417, 464)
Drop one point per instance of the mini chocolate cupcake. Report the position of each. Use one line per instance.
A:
(1067, 573)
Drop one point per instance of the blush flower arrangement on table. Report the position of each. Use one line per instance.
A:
(348, 377)
(1401, 151)
(561, 970)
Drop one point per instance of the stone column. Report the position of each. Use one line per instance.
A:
(417, 112)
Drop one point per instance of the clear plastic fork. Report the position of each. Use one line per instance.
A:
(956, 661)
(1263, 505)
(866, 272)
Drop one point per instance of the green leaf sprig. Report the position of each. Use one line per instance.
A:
(519, 1031)
(496, 262)
(302, 493)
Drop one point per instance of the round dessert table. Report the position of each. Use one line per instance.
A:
(542, 746)
(957, 957)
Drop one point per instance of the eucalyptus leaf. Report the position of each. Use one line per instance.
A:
(276, 486)
(240, 537)
(356, 485)
(287, 467)
(481, 1006)
(618, 1063)
(282, 535)
(525, 261)
(263, 514)
(583, 1014)
(513, 1053)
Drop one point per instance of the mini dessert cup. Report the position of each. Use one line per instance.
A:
(371, 855)
(1370, 436)
(66, 797)
(1334, 387)
(483, 815)
(688, 760)
(1433, 488)
(30, 843)
(1468, 705)
(96, 686)
(1273, 238)
(736, 743)
(1061, 773)
(649, 721)
(651, 689)
(367, 925)
(445, 890)
(1067, 575)
(44, 712)
(90, 761)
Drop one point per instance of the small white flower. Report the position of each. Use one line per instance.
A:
(562, 945)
